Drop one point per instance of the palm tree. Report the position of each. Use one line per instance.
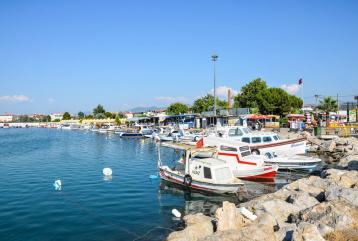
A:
(328, 104)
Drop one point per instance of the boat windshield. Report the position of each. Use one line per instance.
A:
(246, 130)
(235, 132)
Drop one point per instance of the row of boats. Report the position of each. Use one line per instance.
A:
(222, 161)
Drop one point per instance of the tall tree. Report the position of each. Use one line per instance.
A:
(118, 120)
(99, 112)
(81, 115)
(248, 95)
(328, 104)
(273, 101)
(66, 116)
(206, 103)
(177, 108)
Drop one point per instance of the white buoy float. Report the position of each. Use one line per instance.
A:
(58, 185)
(246, 213)
(107, 171)
(153, 176)
(176, 213)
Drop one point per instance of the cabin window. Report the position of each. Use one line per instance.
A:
(223, 174)
(276, 138)
(245, 151)
(245, 139)
(228, 148)
(207, 173)
(266, 139)
(256, 139)
(244, 148)
(235, 132)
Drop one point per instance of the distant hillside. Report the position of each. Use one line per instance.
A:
(144, 109)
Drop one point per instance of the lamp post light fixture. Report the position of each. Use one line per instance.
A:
(214, 58)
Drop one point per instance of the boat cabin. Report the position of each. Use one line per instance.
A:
(244, 134)
(210, 170)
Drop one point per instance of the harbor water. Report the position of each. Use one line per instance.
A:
(126, 206)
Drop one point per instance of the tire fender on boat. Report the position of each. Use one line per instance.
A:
(188, 180)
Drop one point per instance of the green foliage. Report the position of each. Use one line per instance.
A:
(66, 116)
(275, 101)
(118, 120)
(295, 102)
(248, 96)
(328, 104)
(89, 117)
(56, 120)
(177, 108)
(99, 112)
(46, 118)
(121, 115)
(284, 121)
(81, 115)
(254, 110)
(109, 115)
(206, 103)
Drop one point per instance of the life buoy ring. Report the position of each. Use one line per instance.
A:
(188, 180)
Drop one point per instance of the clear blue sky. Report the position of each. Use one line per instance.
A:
(71, 55)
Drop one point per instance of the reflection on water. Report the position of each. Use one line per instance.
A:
(204, 202)
(129, 205)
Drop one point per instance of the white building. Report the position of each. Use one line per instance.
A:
(56, 116)
(6, 118)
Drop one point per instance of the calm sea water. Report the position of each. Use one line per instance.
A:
(130, 206)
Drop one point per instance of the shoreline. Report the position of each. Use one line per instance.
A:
(316, 208)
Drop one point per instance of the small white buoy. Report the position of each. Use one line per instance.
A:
(176, 213)
(58, 185)
(153, 176)
(107, 171)
(246, 213)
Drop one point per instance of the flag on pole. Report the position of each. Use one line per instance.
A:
(300, 81)
(200, 143)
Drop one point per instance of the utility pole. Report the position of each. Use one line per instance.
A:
(214, 58)
(356, 98)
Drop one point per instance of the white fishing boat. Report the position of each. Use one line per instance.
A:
(107, 128)
(75, 126)
(65, 127)
(206, 174)
(238, 156)
(293, 162)
(262, 142)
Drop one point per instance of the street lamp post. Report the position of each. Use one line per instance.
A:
(214, 58)
(356, 98)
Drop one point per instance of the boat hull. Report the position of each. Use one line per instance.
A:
(291, 146)
(201, 186)
(265, 173)
(131, 135)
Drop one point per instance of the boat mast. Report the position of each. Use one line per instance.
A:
(159, 162)
(187, 157)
